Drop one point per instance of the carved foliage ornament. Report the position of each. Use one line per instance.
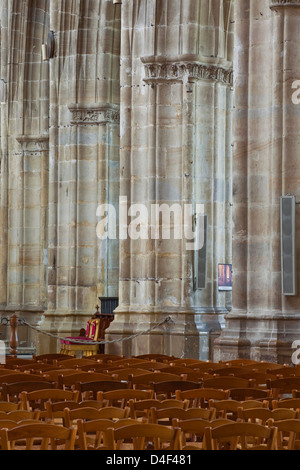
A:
(97, 115)
(188, 71)
(275, 4)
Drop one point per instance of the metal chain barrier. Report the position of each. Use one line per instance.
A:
(169, 320)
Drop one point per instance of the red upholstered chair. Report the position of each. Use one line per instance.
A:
(84, 342)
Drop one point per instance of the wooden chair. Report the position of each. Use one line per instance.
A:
(243, 394)
(142, 409)
(91, 389)
(283, 387)
(92, 434)
(45, 436)
(51, 357)
(229, 370)
(74, 363)
(193, 430)
(5, 372)
(236, 435)
(241, 363)
(52, 376)
(37, 399)
(103, 358)
(38, 368)
(228, 409)
(200, 397)
(68, 381)
(121, 398)
(263, 366)
(156, 356)
(84, 342)
(167, 415)
(292, 403)
(7, 406)
(56, 411)
(20, 415)
(12, 392)
(162, 437)
(263, 415)
(21, 377)
(89, 414)
(168, 389)
(284, 372)
(227, 382)
(125, 374)
(288, 433)
(146, 380)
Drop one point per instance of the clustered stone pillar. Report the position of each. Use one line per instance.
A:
(171, 85)
(263, 323)
(84, 160)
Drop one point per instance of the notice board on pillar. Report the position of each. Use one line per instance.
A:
(288, 245)
(225, 277)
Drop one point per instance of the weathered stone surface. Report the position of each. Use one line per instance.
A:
(155, 102)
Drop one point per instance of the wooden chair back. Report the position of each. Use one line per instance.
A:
(162, 437)
(235, 436)
(88, 389)
(142, 408)
(121, 397)
(12, 392)
(167, 415)
(200, 397)
(45, 434)
(89, 414)
(168, 389)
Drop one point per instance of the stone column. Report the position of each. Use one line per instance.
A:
(263, 323)
(166, 73)
(24, 164)
(84, 160)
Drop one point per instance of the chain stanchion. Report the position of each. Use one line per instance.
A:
(13, 338)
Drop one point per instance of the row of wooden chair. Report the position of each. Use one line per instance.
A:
(128, 434)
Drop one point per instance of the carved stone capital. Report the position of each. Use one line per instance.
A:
(33, 143)
(186, 68)
(91, 115)
(277, 4)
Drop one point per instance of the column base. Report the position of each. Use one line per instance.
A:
(260, 337)
(59, 324)
(184, 336)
